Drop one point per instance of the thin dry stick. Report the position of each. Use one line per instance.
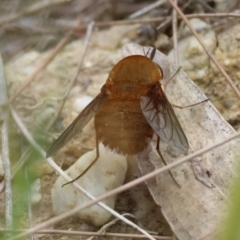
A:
(147, 9)
(124, 22)
(82, 233)
(212, 57)
(175, 49)
(42, 66)
(157, 19)
(74, 78)
(37, 7)
(104, 228)
(175, 40)
(126, 186)
(164, 23)
(214, 15)
(175, 52)
(151, 20)
(65, 176)
(128, 22)
(5, 149)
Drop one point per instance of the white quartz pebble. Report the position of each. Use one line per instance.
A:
(36, 195)
(106, 174)
(80, 103)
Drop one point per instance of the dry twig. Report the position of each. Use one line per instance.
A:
(164, 23)
(82, 233)
(157, 19)
(147, 9)
(103, 229)
(212, 15)
(175, 40)
(5, 149)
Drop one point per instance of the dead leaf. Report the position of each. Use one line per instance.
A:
(195, 210)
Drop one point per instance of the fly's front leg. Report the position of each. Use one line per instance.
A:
(92, 163)
(164, 86)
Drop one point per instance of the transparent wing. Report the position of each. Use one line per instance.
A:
(161, 117)
(78, 124)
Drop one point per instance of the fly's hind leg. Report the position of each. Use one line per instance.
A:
(191, 105)
(164, 162)
(92, 163)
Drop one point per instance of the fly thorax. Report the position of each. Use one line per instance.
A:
(126, 90)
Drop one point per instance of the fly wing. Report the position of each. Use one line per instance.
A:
(78, 124)
(161, 117)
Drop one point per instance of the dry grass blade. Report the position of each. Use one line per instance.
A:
(104, 228)
(82, 233)
(5, 148)
(127, 22)
(175, 40)
(213, 15)
(147, 9)
(156, 20)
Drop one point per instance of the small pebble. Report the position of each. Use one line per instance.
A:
(106, 174)
(81, 103)
(36, 195)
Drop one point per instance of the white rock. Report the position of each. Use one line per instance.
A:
(81, 103)
(106, 174)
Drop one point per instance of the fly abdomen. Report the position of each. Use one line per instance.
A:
(121, 126)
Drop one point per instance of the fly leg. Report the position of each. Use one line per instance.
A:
(164, 162)
(92, 163)
(174, 105)
(191, 105)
